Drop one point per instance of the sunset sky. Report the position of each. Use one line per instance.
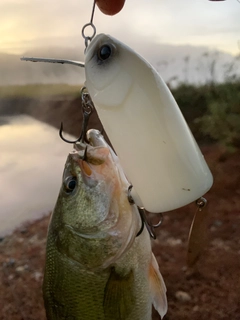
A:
(26, 24)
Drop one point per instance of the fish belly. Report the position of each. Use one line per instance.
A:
(70, 292)
(73, 293)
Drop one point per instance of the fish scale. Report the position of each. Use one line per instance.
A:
(71, 290)
(79, 294)
(96, 266)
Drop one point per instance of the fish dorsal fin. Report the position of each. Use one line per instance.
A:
(119, 299)
(157, 288)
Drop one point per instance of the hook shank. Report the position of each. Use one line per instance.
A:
(142, 212)
(87, 107)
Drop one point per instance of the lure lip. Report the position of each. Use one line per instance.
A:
(53, 60)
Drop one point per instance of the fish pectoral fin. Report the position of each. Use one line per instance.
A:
(157, 288)
(119, 299)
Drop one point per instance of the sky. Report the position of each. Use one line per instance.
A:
(27, 24)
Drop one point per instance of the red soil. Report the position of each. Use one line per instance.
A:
(210, 290)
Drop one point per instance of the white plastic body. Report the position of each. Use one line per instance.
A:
(146, 128)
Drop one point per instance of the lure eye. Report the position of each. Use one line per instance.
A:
(104, 52)
(70, 184)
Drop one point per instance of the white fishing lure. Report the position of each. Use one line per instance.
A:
(145, 126)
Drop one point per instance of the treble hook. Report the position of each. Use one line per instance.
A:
(87, 106)
(150, 227)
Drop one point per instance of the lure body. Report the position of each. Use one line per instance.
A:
(96, 267)
(145, 126)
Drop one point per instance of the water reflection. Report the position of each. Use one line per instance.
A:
(4, 120)
(32, 158)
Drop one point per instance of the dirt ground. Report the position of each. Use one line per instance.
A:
(210, 290)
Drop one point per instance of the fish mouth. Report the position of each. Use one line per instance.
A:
(95, 138)
(97, 152)
(91, 155)
(97, 160)
(94, 150)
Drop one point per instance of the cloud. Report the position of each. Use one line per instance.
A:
(23, 21)
(172, 21)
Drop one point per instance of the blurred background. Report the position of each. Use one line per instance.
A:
(195, 46)
(181, 39)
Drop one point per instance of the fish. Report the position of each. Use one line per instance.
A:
(135, 106)
(96, 265)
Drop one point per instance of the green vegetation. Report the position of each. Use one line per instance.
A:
(212, 111)
(38, 90)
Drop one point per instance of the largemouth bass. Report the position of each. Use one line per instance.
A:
(135, 106)
(96, 266)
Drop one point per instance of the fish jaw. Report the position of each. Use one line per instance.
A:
(96, 216)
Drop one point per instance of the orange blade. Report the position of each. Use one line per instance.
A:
(197, 239)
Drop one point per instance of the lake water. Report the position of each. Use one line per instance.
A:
(32, 158)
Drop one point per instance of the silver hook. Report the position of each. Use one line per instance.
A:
(150, 227)
(87, 107)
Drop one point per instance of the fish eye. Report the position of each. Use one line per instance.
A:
(104, 52)
(70, 184)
